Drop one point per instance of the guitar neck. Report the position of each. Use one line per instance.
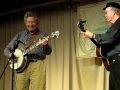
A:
(81, 26)
(33, 46)
(93, 40)
(52, 35)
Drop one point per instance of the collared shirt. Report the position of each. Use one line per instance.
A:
(111, 39)
(19, 41)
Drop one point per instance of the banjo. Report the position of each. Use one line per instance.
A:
(20, 62)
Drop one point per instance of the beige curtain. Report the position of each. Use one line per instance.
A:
(62, 62)
(73, 64)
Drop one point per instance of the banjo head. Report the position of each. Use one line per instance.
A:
(19, 59)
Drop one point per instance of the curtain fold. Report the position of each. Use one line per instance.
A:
(73, 64)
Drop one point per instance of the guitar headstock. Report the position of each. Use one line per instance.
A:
(55, 34)
(80, 24)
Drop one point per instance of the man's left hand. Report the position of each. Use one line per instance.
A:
(44, 41)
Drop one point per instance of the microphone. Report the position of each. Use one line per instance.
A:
(18, 41)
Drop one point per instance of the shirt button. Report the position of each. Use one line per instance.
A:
(113, 60)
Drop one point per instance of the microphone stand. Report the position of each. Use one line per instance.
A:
(12, 88)
(12, 61)
(4, 70)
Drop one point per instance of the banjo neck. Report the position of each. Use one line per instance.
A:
(33, 46)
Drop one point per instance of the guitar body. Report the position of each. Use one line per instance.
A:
(100, 52)
(20, 63)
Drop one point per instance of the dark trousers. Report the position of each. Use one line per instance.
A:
(114, 78)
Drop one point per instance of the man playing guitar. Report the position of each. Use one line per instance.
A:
(112, 41)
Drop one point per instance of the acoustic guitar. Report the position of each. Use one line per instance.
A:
(101, 50)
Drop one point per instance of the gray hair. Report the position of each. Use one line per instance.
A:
(116, 10)
(31, 14)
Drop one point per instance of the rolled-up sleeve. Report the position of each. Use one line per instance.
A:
(11, 46)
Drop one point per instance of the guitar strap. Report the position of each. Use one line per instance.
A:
(29, 42)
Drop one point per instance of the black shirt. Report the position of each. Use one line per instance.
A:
(110, 39)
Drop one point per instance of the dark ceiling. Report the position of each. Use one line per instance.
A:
(7, 6)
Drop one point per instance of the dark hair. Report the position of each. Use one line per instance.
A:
(112, 4)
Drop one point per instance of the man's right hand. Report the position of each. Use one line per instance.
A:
(12, 56)
(87, 34)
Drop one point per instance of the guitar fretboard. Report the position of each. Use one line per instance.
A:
(33, 46)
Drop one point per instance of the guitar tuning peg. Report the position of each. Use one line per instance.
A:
(57, 33)
(52, 34)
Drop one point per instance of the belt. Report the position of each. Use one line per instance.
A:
(33, 60)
